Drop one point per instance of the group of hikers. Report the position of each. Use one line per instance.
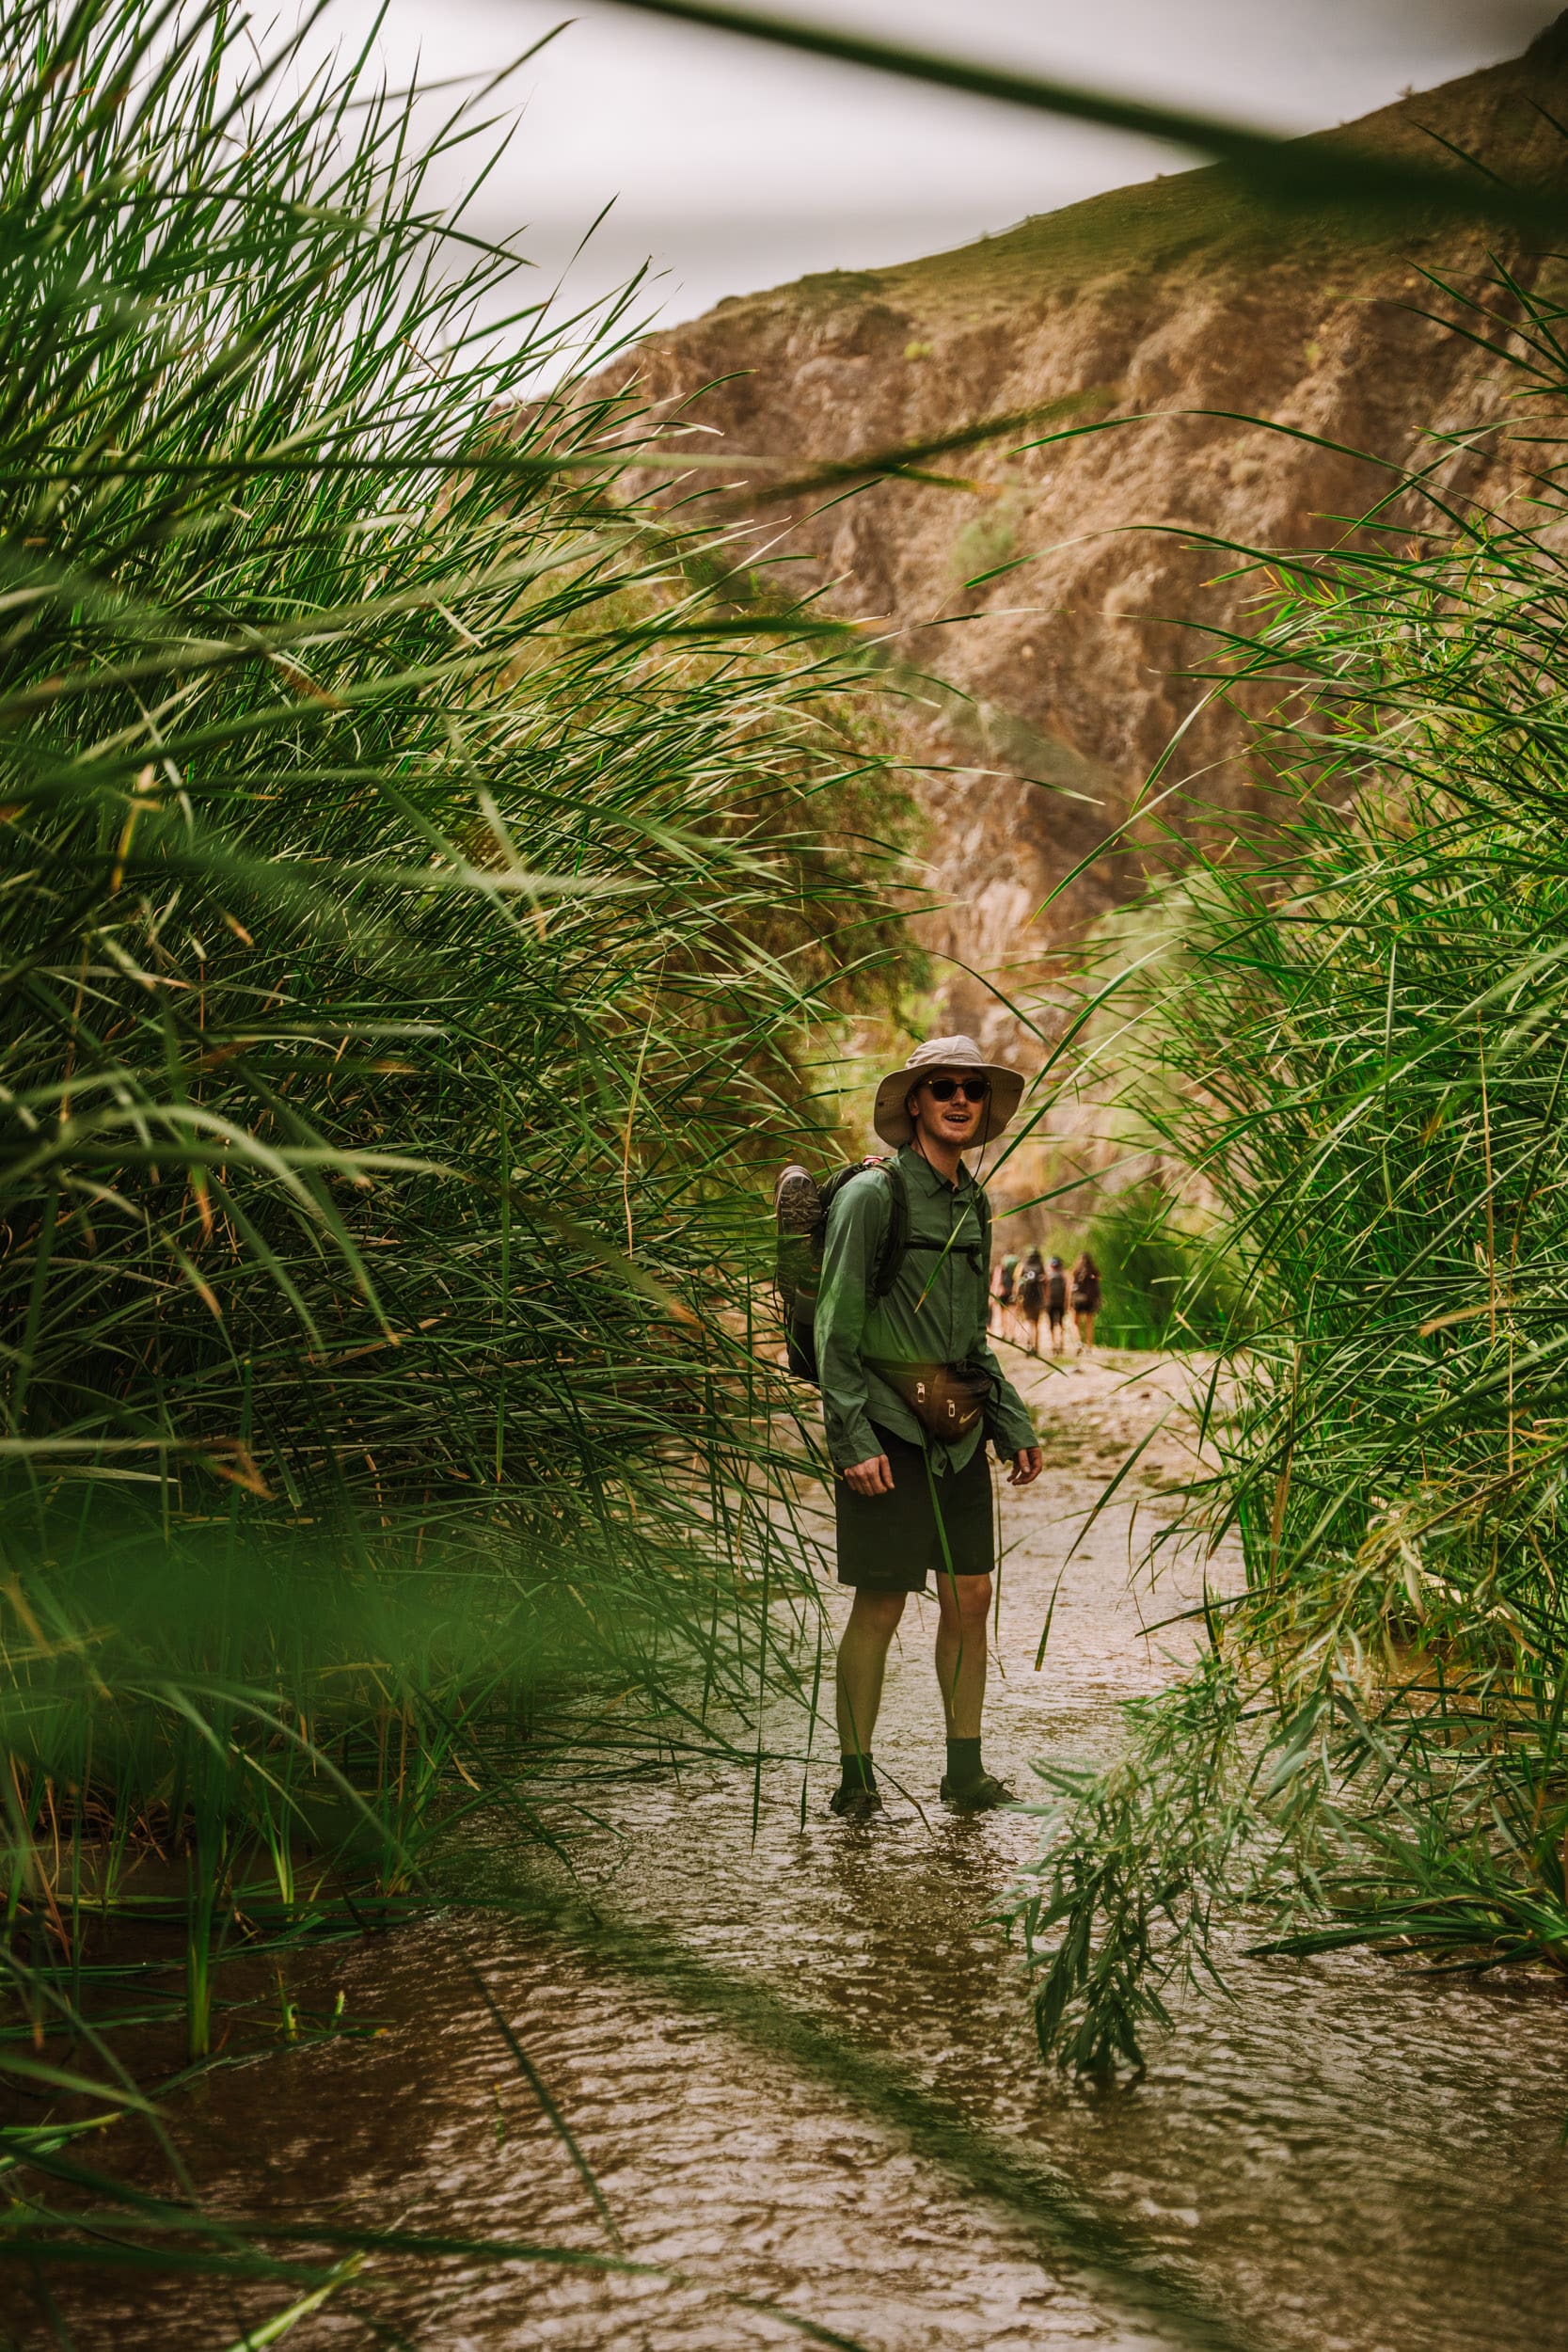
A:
(1028, 1289)
(891, 1318)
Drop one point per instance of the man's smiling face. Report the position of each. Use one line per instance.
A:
(942, 1108)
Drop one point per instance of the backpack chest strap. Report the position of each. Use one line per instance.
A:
(970, 1249)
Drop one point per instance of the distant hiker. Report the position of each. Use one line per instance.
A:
(1085, 1298)
(1003, 1294)
(1031, 1298)
(1056, 1302)
(911, 1391)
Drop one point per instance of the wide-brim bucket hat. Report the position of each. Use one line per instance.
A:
(891, 1117)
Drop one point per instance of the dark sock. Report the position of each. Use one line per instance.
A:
(964, 1767)
(857, 1771)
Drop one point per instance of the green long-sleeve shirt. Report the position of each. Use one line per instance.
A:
(936, 1312)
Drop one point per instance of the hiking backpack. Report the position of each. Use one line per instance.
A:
(800, 1207)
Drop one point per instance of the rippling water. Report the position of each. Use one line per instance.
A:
(763, 2049)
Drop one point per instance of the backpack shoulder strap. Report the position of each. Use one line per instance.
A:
(896, 1241)
(836, 1183)
(982, 1210)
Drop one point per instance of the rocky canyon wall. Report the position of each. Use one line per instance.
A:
(1148, 305)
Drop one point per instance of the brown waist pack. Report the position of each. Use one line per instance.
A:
(946, 1400)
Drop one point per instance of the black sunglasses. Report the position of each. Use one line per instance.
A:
(972, 1089)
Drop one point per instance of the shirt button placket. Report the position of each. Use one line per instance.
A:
(952, 1270)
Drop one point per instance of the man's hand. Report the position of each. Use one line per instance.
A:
(876, 1476)
(1026, 1467)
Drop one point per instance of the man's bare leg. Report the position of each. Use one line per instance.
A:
(861, 1661)
(858, 1687)
(963, 1605)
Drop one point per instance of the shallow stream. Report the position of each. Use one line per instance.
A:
(800, 2070)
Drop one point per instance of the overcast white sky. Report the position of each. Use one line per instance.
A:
(734, 166)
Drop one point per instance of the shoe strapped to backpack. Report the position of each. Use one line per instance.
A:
(800, 1206)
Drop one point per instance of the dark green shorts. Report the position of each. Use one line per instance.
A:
(926, 1527)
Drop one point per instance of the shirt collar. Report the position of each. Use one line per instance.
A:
(915, 1164)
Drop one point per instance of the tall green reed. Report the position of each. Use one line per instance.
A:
(1357, 1048)
(421, 898)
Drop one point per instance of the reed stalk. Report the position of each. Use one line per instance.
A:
(423, 902)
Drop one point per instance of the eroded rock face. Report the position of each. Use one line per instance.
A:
(1156, 301)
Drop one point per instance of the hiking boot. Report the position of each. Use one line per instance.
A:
(855, 1804)
(797, 1201)
(975, 1796)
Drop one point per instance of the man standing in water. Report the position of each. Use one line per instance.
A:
(911, 1391)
